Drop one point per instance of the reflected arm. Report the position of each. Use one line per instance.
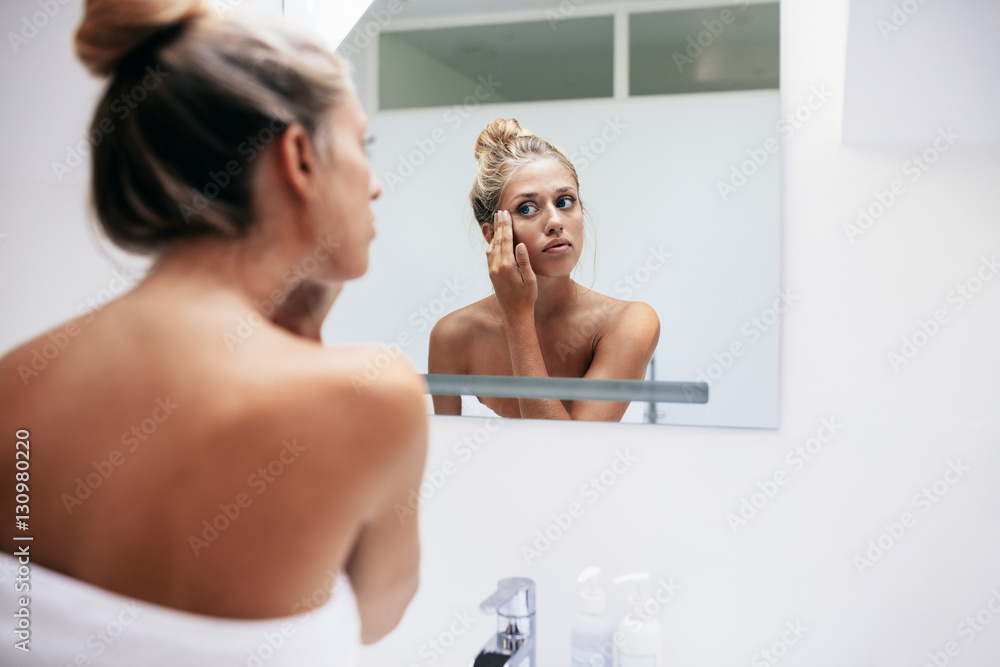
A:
(527, 361)
(443, 357)
(623, 353)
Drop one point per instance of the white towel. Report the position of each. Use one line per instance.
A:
(74, 623)
(471, 407)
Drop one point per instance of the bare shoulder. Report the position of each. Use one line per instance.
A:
(634, 320)
(20, 365)
(639, 323)
(365, 380)
(9, 363)
(460, 322)
(619, 313)
(356, 403)
(453, 334)
(639, 315)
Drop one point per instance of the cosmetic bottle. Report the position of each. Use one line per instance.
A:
(591, 633)
(639, 640)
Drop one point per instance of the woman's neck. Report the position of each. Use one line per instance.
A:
(253, 276)
(243, 269)
(556, 296)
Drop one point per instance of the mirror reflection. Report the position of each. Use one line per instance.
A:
(669, 122)
(526, 201)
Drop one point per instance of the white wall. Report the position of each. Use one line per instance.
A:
(897, 51)
(52, 264)
(794, 560)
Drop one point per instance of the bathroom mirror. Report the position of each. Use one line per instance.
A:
(670, 113)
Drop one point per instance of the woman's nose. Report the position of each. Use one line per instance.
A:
(555, 222)
(375, 188)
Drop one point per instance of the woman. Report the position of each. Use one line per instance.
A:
(539, 322)
(194, 447)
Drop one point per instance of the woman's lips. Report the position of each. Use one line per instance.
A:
(558, 248)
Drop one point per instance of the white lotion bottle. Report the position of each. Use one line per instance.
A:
(639, 641)
(591, 643)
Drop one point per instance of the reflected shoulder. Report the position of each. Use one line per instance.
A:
(640, 319)
(448, 342)
(618, 309)
(640, 310)
(453, 334)
(476, 314)
(640, 313)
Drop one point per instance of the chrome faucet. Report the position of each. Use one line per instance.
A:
(514, 643)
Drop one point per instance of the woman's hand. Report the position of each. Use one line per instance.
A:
(306, 306)
(510, 272)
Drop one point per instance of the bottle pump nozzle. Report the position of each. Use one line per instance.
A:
(591, 597)
(640, 592)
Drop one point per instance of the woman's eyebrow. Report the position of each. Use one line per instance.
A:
(532, 195)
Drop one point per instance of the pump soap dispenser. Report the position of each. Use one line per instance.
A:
(591, 634)
(639, 642)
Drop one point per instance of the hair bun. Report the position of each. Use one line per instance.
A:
(498, 135)
(111, 29)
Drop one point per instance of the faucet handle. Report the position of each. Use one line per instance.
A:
(514, 596)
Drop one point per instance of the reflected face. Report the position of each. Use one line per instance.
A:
(351, 189)
(546, 216)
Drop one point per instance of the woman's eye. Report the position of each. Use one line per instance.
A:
(525, 209)
(566, 202)
(367, 142)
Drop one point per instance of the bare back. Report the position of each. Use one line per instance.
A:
(178, 455)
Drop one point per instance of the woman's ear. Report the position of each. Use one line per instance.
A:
(297, 162)
(487, 229)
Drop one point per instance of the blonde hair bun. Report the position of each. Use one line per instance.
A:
(502, 148)
(111, 29)
(498, 135)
